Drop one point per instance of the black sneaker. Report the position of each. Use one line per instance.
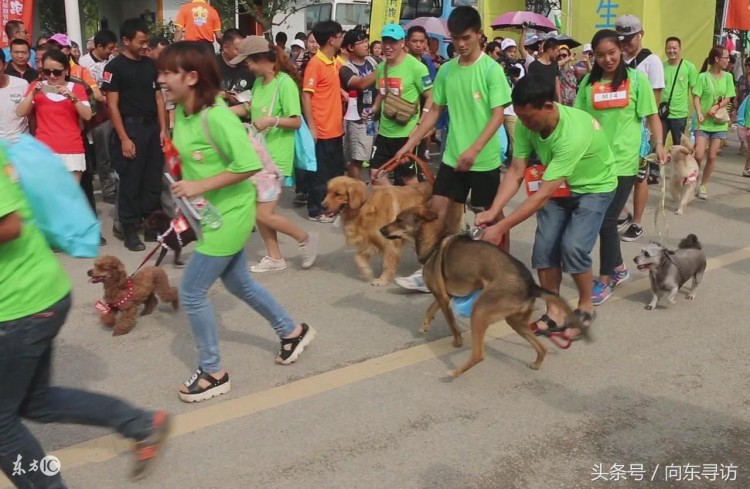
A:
(633, 233)
(300, 199)
(622, 222)
(292, 348)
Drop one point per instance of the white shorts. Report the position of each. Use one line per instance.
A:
(357, 144)
(74, 162)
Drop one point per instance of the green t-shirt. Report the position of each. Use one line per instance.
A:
(577, 150)
(471, 92)
(709, 89)
(623, 125)
(236, 203)
(280, 142)
(679, 105)
(32, 278)
(409, 79)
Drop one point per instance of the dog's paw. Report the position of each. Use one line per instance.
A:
(672, 300)
(535, 365)
(679, 212)
(648, 307)
(424, 328)
(379, 282)
(690, 296)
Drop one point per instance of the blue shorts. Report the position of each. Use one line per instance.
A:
(711, 134)
(566, 231)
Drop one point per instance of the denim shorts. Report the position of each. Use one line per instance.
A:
(566, 231)
(711, 134)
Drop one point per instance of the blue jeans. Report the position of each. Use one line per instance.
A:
(200, 274)
(25, 368)
(566, 231)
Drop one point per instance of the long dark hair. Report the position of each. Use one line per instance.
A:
(189, 56)
(715, 52)
(621, 72)
(59, 57)
(281, 62)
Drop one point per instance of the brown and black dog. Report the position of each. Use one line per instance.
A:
(457, 266)
(160, 222)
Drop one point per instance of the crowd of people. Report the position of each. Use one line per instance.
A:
(494, 105)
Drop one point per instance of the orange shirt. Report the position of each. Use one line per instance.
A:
(322, 80)
(198, 20)
(82, 74)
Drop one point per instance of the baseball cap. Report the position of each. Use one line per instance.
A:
(587, 48)
(297, 43)
(627, 26)
(394, 31)
(60, 39)
(507, 43)
(352, 37)
(249, 46)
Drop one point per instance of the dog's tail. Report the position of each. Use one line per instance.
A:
(571, 318)
(690, 242)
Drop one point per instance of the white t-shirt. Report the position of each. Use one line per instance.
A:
(12, 126)
(95, 67)
(654, 70)
(509, 109)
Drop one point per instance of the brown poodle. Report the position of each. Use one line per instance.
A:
(124, 294)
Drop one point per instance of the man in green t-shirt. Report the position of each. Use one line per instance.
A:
(34, 302)
(403, 76)
(475, 88)
(680, 76)
(572, 197)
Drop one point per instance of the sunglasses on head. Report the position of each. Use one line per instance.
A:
(48, 72)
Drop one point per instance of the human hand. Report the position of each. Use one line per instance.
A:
(187, 188)
(263, 123)
(128, 149)
(661, 153)
(486, 218)
(466, 160)
(494, 234)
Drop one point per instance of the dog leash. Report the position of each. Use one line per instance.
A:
(160, 240)
(158, 245)
(395, 162)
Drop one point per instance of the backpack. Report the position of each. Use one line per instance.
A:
(58, 205)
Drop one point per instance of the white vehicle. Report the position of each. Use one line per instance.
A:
(348, 13)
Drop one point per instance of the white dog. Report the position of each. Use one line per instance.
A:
(684, 175)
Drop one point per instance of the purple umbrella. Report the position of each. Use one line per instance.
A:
(524, 19)
(433, 25)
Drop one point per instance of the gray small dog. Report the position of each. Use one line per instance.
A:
(669, 270)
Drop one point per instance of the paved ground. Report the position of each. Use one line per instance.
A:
(369, 405)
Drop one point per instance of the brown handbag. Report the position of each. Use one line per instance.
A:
(396, 108)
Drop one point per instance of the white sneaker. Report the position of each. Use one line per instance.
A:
(268, 264)
(413, 282)
(309, 250)
(322, 219)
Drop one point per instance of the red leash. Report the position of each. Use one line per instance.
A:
(159, 245)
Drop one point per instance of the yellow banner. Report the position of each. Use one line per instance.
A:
(661, 19)
(383, 12)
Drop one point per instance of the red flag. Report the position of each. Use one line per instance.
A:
(22, 10)
(738, 15)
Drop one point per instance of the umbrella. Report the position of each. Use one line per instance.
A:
(433, 25)
(568, 41)
(524, 19)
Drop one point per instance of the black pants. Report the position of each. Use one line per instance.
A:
(675, 126)
(140, 186)
(87, 177)
(610, 254)
(330, 156)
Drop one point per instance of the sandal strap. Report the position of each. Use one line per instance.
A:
(193, 386)
(296, 339)
(552, 326)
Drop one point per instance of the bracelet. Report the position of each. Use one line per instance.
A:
(425, 110)
(278, 119)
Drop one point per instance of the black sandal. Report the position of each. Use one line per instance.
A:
(586, 319)
(196, 393)
(298, 345)
(552, 326)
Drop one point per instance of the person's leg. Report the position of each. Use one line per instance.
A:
(634, 227)
(152, 181)
(239, 282)
(130, 172)
(546, 253)
(330, 155)
(578, 241)
(713, 152)
(678, 127)
(610, 255)
(101, 135)
(269, 224)
(484, 185)
(746, 170)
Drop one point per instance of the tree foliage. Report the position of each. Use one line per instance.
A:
(269, 9)
(543, 7)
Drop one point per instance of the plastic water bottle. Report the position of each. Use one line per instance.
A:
(370, 122)
(209, 215)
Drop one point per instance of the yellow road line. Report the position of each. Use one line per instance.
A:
(108, 447)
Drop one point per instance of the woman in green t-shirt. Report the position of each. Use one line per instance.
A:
(217, 162)
(275, 111)
(711, 95)
(619, 98)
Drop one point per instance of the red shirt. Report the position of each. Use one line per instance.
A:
(57, 119)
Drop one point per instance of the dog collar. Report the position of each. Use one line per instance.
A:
(106, 308)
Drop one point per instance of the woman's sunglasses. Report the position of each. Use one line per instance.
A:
(562, 56)
(48, 72)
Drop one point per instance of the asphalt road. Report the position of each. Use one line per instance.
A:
(659, 395)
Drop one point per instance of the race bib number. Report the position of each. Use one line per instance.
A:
(533, 177)
(102, 307)
(604, 97)
(180, 225)
(390, 85)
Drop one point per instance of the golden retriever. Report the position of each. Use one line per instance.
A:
(363, 215)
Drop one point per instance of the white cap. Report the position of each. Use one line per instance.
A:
(298, 43)
(587, 47)
(507, 43)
